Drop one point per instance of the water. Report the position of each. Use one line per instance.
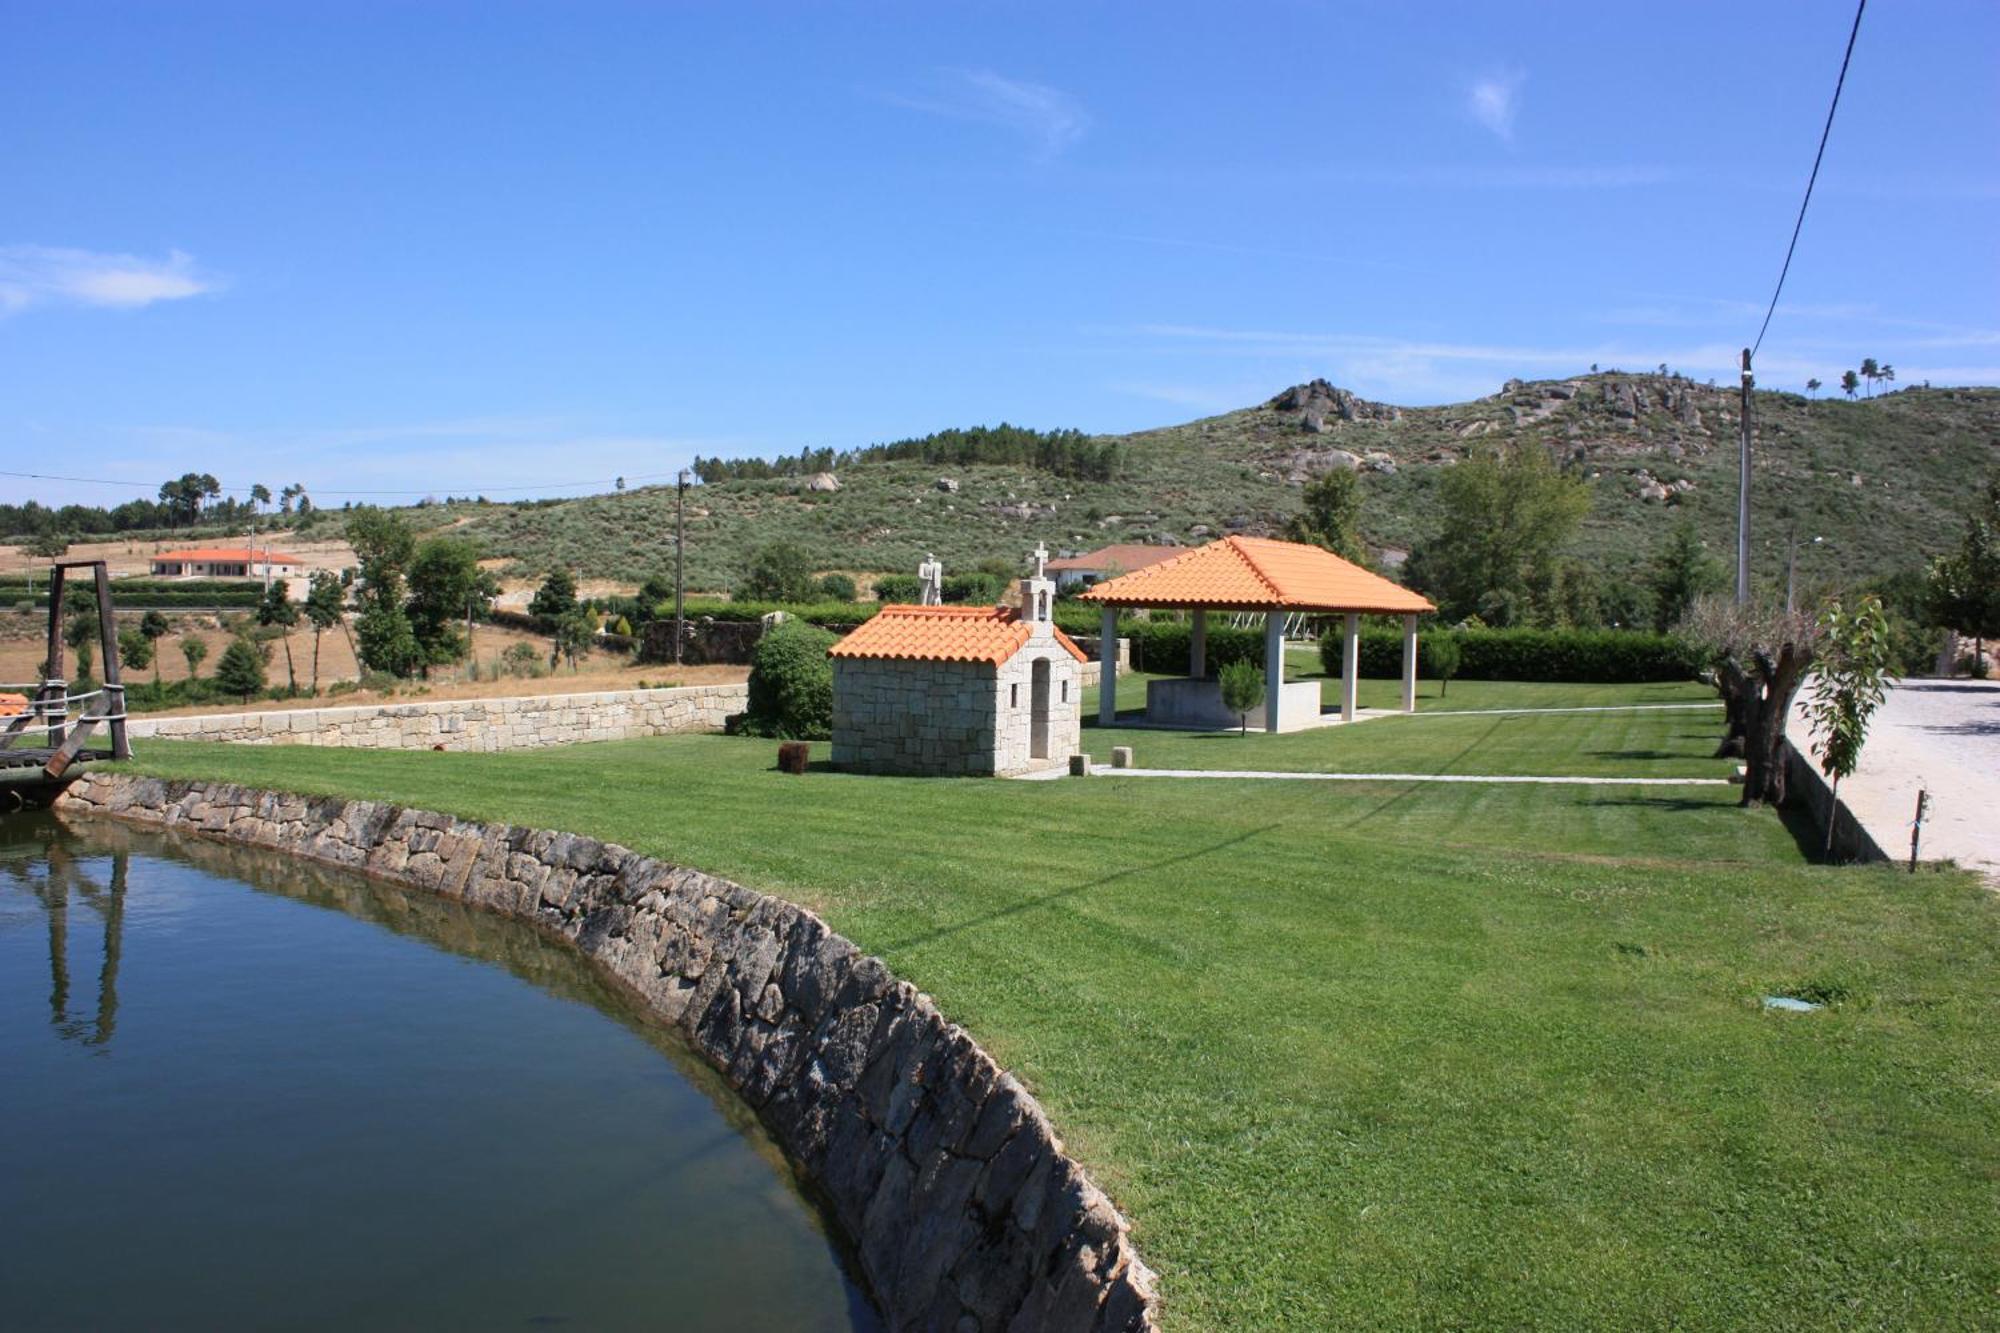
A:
(236, 1091)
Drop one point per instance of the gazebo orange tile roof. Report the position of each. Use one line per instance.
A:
(990, 634)
(13, 705)
(1259, 574)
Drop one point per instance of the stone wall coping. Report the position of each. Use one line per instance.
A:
(941, 1170)
(334, 714)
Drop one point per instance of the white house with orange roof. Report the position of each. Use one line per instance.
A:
(225, 562)
(940, 691)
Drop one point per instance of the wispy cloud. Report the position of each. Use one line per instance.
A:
(1494, 100)
(32, 275)
(1050, 119)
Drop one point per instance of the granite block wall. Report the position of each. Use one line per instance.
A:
(963, 1210)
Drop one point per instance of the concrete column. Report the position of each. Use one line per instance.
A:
(1274, 666)
(1107, 669)
(1198, 644)
(1350, 665)
(1409, 664)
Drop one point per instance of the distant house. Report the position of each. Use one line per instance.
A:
(958, 690)
(1080, 571)
(224, 562)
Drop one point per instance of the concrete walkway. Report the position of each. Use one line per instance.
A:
(1278, 775)
(1940, 736)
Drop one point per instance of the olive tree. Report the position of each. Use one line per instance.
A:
(1759, 654)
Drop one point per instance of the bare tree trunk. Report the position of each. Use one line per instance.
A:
(315, 685)
(1832, 814)
(290, 673)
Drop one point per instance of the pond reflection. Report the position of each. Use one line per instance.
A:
(281, 1096)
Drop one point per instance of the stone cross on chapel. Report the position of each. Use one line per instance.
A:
(1038, 591)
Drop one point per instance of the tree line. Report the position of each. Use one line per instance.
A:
(1063, 453)
(186, 501)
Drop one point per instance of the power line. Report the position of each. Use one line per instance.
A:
(474, 490)
(1824, 134)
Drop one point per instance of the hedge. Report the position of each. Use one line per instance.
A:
(241, 599)
(842, 614)
(1606, 656)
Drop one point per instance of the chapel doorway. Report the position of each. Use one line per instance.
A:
(1038, 711)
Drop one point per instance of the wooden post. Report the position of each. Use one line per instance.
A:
(1198, 645)
(1350, 665)
(114, 689)
(1274, 666)
(55, 687)
(1107, 668)
(1409, 664)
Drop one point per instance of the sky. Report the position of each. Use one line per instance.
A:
(388, 250)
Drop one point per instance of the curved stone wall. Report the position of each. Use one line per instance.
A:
(962, 1208)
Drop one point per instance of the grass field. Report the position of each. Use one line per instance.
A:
(1364, 1055)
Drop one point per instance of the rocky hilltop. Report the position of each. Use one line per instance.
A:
(1879, 481)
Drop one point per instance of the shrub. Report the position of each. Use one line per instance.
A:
(1162, 646)
(1446, 657)
(791, 684)
(845, 615)
(780, 572)
(240, 670)
(977, 589)
(1242, 690)
(837, 588)
(1604, 656)
(898, 587)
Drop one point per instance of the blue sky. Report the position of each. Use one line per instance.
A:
(463, 248)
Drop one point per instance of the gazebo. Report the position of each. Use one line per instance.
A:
(1253, 575)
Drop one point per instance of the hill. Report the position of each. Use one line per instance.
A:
(1880, 481)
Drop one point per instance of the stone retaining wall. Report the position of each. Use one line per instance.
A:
(467, 724)
(963, 1210)
(1807, 787)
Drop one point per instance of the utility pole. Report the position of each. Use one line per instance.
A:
(680, 562)
(1743, 491)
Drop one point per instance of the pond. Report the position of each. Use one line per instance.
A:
(240, 1091)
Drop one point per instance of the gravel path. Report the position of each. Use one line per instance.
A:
(1942, 736)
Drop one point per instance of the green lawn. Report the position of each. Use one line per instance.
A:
(1378, 1054)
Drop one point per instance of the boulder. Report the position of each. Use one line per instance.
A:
(822, 481)
(947, 485)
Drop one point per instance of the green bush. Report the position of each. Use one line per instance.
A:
(976, 589)
(1161, 646)
(1608, 656)
(836, 588)
(780, 572)
(240, 670)
(791, 684)
(1242, 690)
(898, 588)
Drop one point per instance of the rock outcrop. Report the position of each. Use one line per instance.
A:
(963, 1210)
(1317, 400)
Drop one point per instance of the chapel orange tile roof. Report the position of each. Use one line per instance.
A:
(1257, 573)
(13, 705)
(989, 634)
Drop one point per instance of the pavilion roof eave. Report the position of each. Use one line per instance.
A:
(1169, 604)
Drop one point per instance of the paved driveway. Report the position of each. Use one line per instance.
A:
(1942, 736)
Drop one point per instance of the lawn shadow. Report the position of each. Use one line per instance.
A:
(1673, 803)
(1636, 754)
(1058, 895)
